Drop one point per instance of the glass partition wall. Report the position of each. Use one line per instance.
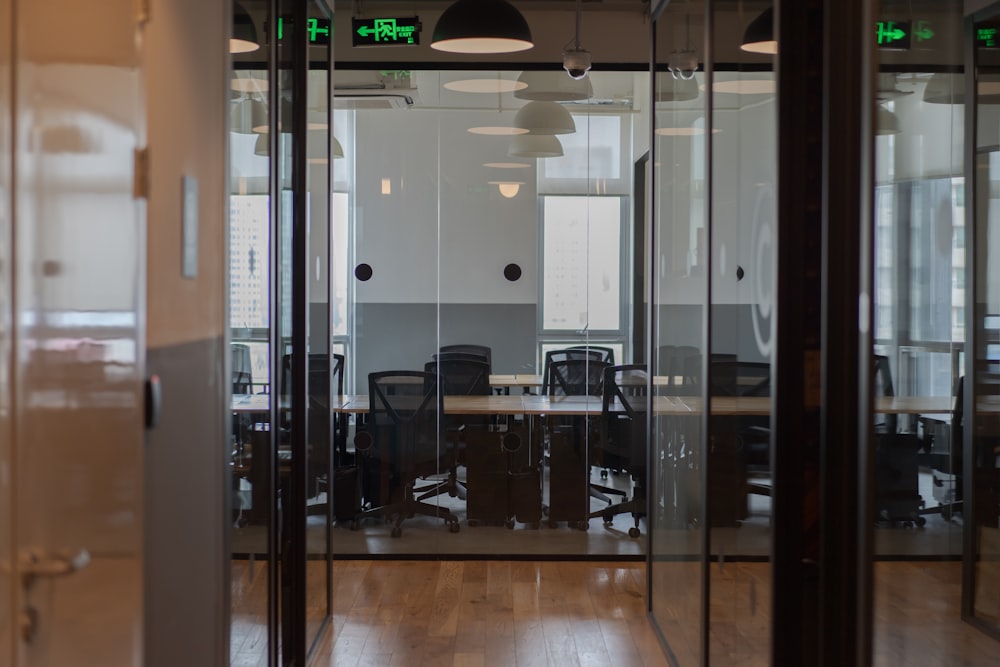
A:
(284, 373)
(980, 455)
(489, 228)
(713, 238)
(921, 263)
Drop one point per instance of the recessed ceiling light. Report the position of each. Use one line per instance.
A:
(507, 165)
(485, 85)
(498, 130)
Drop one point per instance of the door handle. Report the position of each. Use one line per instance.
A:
(37, 564)
(34, 564)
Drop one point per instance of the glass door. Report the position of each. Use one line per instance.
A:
(679, 278)
(981, 450)
(286, 375)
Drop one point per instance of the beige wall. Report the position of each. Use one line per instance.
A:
(186, 586)
(187, 93)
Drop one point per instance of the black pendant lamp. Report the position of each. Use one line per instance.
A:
(244, 39)
(759, 35)
(481, 26)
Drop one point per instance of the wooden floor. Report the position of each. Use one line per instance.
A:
(521, 613)
(472, 613)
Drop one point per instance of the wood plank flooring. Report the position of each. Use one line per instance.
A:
(482, 613)
(521, 613)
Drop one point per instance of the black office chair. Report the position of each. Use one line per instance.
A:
(467, 348)
(578, 376)
(622, 443)
(566, 355)
(458, 376)
(947, 471)
(897, 475)
(402, 439)
(321, 449)
(751, 434)
(461, 356)
(607, 353)
(242, 373)
(242, 383)
(882, 378)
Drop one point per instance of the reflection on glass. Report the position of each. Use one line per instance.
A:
(919, 352)
(677, 176)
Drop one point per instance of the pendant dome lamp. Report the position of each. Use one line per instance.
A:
(544, 118)
(886, 122)
(481, 26)
(535, 145)
(244, 38)
(759, 35)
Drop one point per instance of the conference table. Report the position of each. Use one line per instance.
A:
(532, 404)
(530, 407)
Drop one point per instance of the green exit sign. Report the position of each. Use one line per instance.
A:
(892, 34)
(386, 31)
(318, 30)
(987, 37)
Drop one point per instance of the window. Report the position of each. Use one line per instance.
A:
(583, 257)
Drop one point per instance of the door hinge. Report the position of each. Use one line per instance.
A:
(140, 188)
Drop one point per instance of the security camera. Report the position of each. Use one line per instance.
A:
(682, 64)
(576, 62)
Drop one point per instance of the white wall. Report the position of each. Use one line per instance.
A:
(441, 210)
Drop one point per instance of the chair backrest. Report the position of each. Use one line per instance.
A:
(740, 378)
(882, 380)
(468, 348)
(607, 353)
(623, 413)
(564, 354)
(461, 376)
(241, 369)
(321, 375)
(575, 377)
(461, 356)
(403, 414)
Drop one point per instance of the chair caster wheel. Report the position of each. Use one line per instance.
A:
(633, 532)
(396, 531)
(509, 524)
(604, 474)
(608, 517)
(453, 527)
(583, 525)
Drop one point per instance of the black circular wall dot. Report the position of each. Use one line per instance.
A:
(512, 272)
(363, 272)
(739, 273)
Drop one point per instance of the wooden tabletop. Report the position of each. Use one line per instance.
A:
(530, 404)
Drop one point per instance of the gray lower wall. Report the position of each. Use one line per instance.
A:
(187, 575)
(395, 336)
(732, 328)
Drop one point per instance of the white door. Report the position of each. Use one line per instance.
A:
(74, 343)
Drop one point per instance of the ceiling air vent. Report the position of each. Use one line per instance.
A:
(391, 89)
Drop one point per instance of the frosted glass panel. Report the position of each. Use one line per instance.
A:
(582, 260)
